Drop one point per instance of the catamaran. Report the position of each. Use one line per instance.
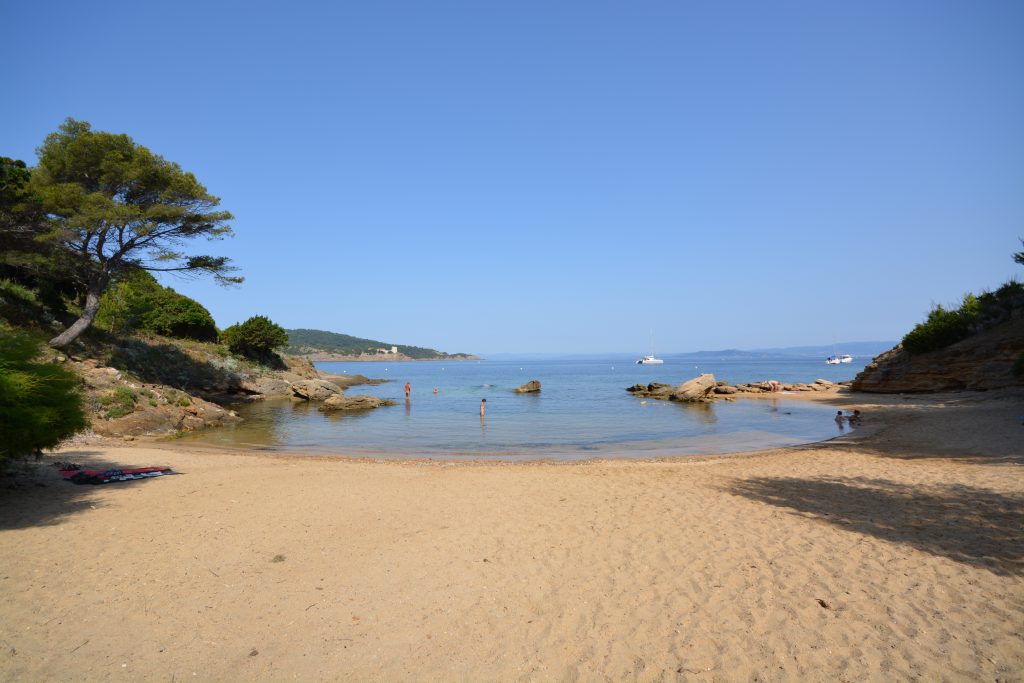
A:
(650, 359)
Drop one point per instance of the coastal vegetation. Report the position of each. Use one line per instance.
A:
(107, 206)
(257, 338)
(976, 313)
(136, 301)
(40, 403)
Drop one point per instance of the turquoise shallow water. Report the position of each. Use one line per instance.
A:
(582, 412)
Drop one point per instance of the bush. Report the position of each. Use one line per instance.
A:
(256, 338)
(176, 315)
(138, 302)
(976, 313)
(40, 404)
(941, 329)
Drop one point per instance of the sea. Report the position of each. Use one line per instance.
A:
(582, 412)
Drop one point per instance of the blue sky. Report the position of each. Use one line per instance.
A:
(564, 177)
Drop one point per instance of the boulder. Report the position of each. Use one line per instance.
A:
(725, 389)
(266, 386)
(360, 402)
(315, 389)
(697, 389)
(530, 387)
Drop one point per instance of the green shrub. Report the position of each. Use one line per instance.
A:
(176, 315)
(941, 329)
(976, 313)
(138, 302)
(119, 402)
(40, 404)
(256, 338)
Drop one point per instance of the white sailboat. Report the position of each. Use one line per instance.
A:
(650, 359)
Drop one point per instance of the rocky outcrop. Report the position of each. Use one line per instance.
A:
(705, 389)
(315, 389)
(981, 362)
(528, 388)
(155, 414)
(698, 389)
(361, 402)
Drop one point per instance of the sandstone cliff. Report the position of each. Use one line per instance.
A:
(981, 362)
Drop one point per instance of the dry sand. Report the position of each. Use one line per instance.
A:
(894, 553)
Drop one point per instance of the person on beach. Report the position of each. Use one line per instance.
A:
(483, 406)
(773, 385)
(855, 418)
(408, 388)
(840, 418)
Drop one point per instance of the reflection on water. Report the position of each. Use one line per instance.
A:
(704, 413)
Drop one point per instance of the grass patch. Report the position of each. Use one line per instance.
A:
(119, 402)
(278, 558)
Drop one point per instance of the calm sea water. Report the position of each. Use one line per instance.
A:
(582, 412)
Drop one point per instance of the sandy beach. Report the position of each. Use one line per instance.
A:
(894, 552)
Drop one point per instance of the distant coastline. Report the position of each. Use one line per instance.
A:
(378, 358)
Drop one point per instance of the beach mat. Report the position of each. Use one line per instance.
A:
(112, 475)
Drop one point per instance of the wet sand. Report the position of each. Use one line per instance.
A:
(895, 552)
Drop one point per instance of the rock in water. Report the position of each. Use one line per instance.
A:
(315, 389)
(530, 387)
(361, 402)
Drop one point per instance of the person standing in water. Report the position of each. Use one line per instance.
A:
(483, 406)
(408, 388)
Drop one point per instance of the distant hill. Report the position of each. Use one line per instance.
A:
(306, 342)
(865, 349)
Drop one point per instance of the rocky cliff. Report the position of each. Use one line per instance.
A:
(981, 362)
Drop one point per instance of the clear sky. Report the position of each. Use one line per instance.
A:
(564, 176)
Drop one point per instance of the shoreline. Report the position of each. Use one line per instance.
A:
(894, 552)
(837, 396)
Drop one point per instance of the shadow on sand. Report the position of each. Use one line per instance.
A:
(36, 494)
(970, 525)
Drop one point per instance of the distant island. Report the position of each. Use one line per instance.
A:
(320, 345)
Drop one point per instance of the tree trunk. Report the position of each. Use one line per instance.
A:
(92, 306)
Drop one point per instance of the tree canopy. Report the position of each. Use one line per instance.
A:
(256, 338)
(117, 206)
